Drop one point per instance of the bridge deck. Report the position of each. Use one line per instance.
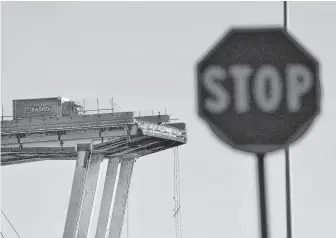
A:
(23, 143)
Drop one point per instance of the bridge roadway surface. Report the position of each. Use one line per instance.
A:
(112, 134)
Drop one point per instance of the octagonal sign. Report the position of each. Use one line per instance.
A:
(258, 89)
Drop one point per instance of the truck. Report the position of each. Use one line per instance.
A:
(45, 107)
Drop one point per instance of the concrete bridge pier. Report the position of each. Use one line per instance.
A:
(83, 192)
(113, 204)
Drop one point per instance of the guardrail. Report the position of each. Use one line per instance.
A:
(163, 131)
(142, 112)
(162, 128)
(138, 113)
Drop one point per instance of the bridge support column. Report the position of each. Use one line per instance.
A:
(114, 200)
(83, 192)
(106, 206)
(124, 180)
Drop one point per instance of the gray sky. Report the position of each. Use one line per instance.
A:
(144, 55)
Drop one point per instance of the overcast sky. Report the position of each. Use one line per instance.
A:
(144, 55)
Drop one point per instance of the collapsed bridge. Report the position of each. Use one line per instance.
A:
(119, 137)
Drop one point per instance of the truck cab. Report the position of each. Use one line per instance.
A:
(70, 108)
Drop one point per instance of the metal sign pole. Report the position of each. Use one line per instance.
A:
(287, 158)
(285, 14)
(262, 196)
(288, 196)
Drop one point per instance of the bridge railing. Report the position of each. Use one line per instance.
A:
(146, 112)
(138, 113)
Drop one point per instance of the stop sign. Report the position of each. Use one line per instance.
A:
(258, 89)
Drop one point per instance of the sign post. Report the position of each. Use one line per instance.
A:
(259, 91)
(262, 195)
